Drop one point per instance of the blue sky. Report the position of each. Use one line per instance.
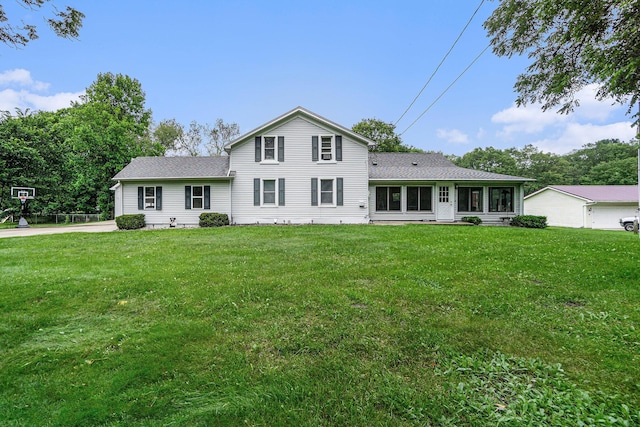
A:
(250, 61)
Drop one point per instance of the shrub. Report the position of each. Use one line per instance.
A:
(529, 221)
(472, 219)
(130, 222)
(213, 219)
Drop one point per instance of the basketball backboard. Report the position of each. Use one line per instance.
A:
(23, 193)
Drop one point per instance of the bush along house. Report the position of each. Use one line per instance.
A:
(301, 168)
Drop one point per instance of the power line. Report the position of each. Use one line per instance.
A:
(446, 90)
(440, 64)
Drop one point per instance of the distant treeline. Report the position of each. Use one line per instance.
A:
(606, 162)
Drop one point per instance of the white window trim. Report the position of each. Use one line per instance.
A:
(263, 148)
(152, 207)
(277, 193)
(334, 192)
(333, 149)
(197, 197)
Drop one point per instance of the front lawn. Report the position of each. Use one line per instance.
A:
(321, 325)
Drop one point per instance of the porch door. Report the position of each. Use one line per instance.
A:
(445, 203)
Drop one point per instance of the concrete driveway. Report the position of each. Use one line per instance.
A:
(90, 227)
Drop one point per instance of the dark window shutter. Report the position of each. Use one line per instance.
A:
(281, 148)
(187, 197)
(256, 192)
(258, 148)
(141, 198)
(158, 198)
(280, 191)
(314, 191)
(339, 197)
(314, 148)
(207, 197)
(339, 148)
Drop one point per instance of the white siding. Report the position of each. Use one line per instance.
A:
(297, 170)
(560, 209)
(173, 203)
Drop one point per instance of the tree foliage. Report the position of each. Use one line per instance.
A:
(606, 162)
(64, 24)
(382, 134)
(571, 44)
(71, 155)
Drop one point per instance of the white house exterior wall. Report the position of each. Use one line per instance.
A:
(298, 169)
(561, 210)
(173, 201)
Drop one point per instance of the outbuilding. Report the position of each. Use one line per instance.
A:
(583, 206)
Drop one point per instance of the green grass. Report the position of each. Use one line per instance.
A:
(321, 326)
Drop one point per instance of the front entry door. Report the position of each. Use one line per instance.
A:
(445, 203)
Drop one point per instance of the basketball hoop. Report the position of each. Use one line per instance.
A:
(23, 198)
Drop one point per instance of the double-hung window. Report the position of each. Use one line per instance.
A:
(501, 199)
(150, 198)
(326, 148)
(470, 199)
(269, 148)
(268, 192)
(388, 198)
(327, 192)
(418, 198)
(197, 197)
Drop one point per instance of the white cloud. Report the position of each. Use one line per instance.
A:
(591, 121)
(25, 93)
(575, 135)
(453, 136)
(21, 77)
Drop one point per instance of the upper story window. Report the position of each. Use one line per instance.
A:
(269, 149)
(326, 148)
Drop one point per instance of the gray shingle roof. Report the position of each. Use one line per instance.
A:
(175, 168)
(426, 167)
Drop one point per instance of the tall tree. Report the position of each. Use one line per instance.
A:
(64, 24)
(571, 44)
(219, 135)
(107, 129)
(168, 133)
(382, 134)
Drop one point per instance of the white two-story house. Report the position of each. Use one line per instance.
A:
(301, 168)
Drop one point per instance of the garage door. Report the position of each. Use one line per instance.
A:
(607, 217)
